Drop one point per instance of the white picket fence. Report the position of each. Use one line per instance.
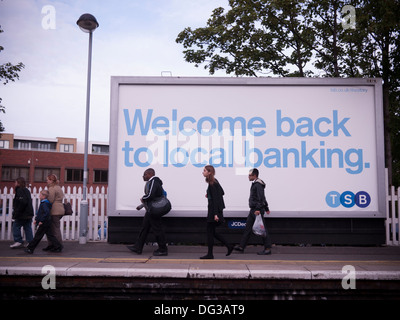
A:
(392, 217)
(97, 220)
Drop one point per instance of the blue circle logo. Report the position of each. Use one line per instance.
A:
(363, 199)
(348, 199)
(333, 199)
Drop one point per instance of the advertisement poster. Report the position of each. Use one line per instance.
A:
(318, 145)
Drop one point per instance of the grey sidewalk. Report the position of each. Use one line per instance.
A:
(286, 262)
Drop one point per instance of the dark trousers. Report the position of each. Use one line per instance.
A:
(249, 229)
(153, 222)
(44, 229)
(211, 234)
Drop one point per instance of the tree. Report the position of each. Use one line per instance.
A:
(8, 72)
(287, 38)
(248, 39)
(380, 57)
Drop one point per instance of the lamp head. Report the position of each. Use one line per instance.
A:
(87, 23)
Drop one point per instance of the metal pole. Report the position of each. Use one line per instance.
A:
(84, 208)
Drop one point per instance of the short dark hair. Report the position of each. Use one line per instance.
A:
(150, 171)
(254, 172)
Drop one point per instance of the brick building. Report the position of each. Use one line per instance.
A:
(35, 158)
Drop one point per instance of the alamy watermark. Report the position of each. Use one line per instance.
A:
(349, 279)
(49, 280)
(348, 17)
(49, 19)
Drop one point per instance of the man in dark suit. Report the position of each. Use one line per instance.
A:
(153, 190)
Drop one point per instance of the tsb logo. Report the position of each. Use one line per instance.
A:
(348, 199)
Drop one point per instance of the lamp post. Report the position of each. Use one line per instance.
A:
(87, 23)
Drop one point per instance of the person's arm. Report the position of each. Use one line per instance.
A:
(153, 187)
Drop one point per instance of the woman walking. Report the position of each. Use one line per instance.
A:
(215, 216)
(56, 196)
(22, 213)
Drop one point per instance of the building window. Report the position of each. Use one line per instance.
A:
(42, 173)
(100, 176)
(44, 146)
(24, 145)
(100, 149)
(35, 145)
(4, 144)
(74, 175)
(66, 147)
(12, 173)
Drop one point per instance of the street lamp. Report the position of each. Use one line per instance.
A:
(87, 23)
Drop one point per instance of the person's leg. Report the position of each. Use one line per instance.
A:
(16, 230)
(222, 239)
(55, 227)
(210, 241)
(27, 225)
(266, 241)
(144, 231)
(57, 246)
(247, 231)
(159, 233)
(40, 232)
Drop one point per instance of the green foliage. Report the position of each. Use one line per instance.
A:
(307, 38)
(8, 72)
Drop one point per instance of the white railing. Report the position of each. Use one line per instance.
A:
(392, 217)
(97, 221)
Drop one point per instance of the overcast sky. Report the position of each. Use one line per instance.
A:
(135, 38)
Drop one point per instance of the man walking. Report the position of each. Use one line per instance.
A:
(258, 205)
(153, 190)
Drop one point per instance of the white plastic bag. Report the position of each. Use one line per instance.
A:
(258, 226)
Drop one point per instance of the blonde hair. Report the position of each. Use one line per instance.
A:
(45, 193)
(53, 178)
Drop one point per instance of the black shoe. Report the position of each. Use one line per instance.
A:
(160, 253)
(134, 249)
(265, 252)
(238, 248)
(230, 249)
(207, 256)
(59, 249)
(48, 248)
(27, 250)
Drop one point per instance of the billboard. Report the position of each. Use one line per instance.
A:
(318, 143)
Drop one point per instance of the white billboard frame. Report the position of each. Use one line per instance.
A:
(350, 84)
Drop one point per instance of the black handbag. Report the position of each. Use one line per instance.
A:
(68, 209)
(160, 206)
